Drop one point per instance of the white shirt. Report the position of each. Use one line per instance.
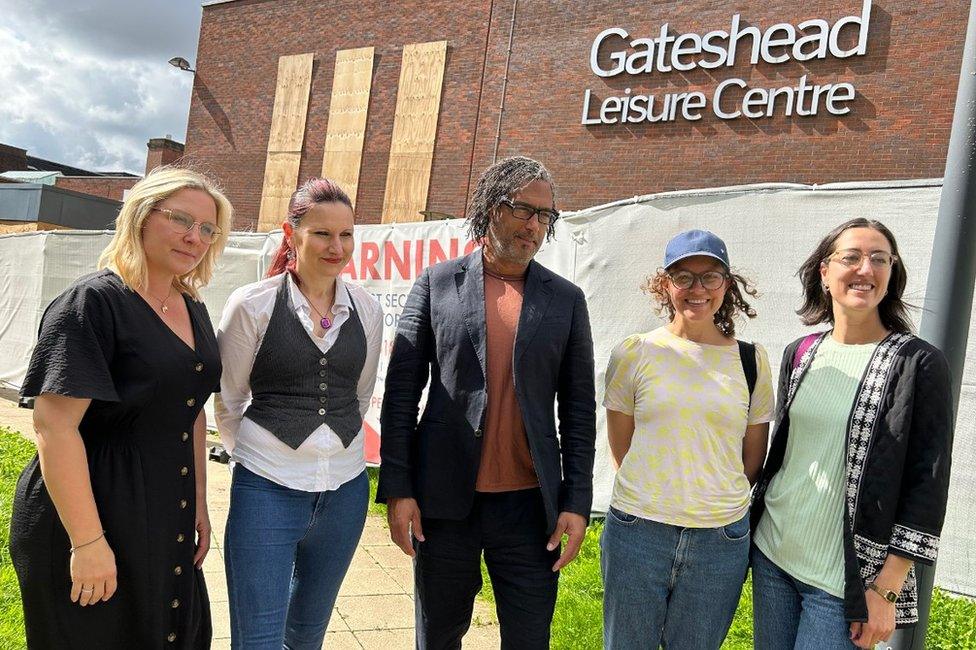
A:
(320, 463)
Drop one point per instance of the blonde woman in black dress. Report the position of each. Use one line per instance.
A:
(109, 526)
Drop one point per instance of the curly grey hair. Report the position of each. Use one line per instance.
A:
(501, 180)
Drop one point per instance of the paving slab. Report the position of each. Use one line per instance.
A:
(369, 582)
(341, 641)
(376, 612)
(401, 639)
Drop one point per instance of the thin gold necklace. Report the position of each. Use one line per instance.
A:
(162, 303)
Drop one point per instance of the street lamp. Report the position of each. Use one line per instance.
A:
(181, 63)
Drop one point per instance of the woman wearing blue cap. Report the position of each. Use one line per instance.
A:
(688, 409)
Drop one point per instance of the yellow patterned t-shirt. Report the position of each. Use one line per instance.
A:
(690, 404)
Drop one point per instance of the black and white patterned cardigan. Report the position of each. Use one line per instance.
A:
(899, 445)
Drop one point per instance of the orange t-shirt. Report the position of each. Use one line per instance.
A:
(506, 463)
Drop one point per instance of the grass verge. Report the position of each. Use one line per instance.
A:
(15, 453)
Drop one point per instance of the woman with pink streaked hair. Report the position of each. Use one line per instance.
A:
(300, 351)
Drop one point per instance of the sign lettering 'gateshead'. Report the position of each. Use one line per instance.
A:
(732, 98)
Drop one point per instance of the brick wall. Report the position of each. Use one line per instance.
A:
(12, 158)
(162, 151)
(110, 187)
(898, 126)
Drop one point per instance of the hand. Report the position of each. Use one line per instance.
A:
(93, 573)
(574, 527)
(203, 533)
(880, 623)
(403, 515)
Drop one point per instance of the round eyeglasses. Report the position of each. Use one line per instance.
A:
(708, 279)
(183, 223)
(853, 258)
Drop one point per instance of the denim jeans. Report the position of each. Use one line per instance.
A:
(788, 613)
(670, 586)
(286, 552)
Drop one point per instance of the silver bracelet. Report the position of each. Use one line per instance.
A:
(75, 548)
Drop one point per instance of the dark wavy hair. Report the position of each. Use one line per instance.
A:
(733, 306)
(501, 180)
(311, 193)
(818, 307)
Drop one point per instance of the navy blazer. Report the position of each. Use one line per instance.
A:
(441, 337)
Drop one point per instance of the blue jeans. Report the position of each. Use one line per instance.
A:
(670, 586)
(286, 552)
(788, 613)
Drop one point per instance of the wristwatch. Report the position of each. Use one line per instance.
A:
(887, 594)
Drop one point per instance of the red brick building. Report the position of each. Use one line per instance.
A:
(517, 75)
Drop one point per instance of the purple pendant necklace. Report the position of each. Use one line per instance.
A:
(323, 320)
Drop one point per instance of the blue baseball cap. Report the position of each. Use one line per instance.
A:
(695, 242)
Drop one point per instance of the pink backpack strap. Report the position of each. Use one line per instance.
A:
(803, 347)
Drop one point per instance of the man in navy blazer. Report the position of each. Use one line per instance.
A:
(502, 340)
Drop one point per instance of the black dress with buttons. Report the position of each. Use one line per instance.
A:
(101, 341)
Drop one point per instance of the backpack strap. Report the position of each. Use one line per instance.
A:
(747, 355)
(801, 349)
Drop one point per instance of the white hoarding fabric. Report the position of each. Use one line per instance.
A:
(21, 288)
(608, 251)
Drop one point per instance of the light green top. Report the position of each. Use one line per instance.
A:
(802, 528)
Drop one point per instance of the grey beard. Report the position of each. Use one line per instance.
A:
(507, 251)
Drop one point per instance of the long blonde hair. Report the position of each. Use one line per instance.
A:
(125, 254)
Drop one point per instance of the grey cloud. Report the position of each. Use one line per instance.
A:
(88, 85)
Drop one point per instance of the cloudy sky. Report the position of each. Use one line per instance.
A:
(88, 83)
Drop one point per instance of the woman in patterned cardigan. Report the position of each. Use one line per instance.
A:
(854, 489)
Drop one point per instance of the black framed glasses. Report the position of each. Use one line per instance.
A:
(524, 211)
(183, 223)
(708, 279)
(853, 258)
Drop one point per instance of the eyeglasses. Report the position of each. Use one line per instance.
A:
(183, 223)
(852, 258)
(525, 212)
(708, 279)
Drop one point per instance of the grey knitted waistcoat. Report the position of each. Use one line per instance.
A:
(295, 388)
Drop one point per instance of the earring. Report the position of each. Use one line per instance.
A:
(290, 254)
(826, 289)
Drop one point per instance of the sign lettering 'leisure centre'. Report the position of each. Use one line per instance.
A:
(732, 98)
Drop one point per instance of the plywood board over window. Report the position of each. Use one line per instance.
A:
(286, 138)
(346, 132)
(414, 131)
